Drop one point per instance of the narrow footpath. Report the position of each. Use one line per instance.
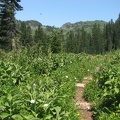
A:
(84, 106)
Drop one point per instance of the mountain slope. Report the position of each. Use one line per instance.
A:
(86, 24)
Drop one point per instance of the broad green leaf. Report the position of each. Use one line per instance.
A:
(28, 87)
(10, 68)
(14, 80)
(6, 104)
(36, 119)
(58, 109)
(9, 97)
(48, 117)
(17, 101)
(2, 107)
(29, 117)
(116, 90)
(108, 82)
(4, 115)
(17, 117)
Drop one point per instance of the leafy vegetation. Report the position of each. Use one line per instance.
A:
(33, 85)
(104, 89)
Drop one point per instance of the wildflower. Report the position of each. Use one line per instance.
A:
(88, 70)
(66, 76)
(34, 84)
(45, 105)
(32, 101)
(88, 108)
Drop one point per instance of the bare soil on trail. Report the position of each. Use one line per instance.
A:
(84, 107)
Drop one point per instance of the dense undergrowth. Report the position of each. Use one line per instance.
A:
(35, 86)
(104, 90)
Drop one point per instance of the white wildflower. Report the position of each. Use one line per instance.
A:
(32, 101)
(45, 105)
(88, 108)
(88, 70)
(66, 76)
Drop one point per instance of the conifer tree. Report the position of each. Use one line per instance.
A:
(23, 30)
(109, 36)
(29, 38)
(56, 42)
(84, 41)
(70, 42)
(96, 40)
(78, 42)
(40, 39)
(26, 35)
(39, 36)
(117, 33)
(8, 29)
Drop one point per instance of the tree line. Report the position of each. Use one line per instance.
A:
(98, 41)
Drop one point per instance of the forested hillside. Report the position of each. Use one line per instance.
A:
(93, 37)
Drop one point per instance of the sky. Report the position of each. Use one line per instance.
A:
(58, 12)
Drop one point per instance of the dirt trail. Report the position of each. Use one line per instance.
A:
(84, 107)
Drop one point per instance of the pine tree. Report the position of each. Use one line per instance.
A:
(84, 41)
(8, 28)
(97, 42)
(77, 42)
(117, 33)
(70, 42)
(26, 35)
(40, 36)
(110, 36)
(29, 38)
(94, 41)
(56, 42)
(40, 39)
(23, 30)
